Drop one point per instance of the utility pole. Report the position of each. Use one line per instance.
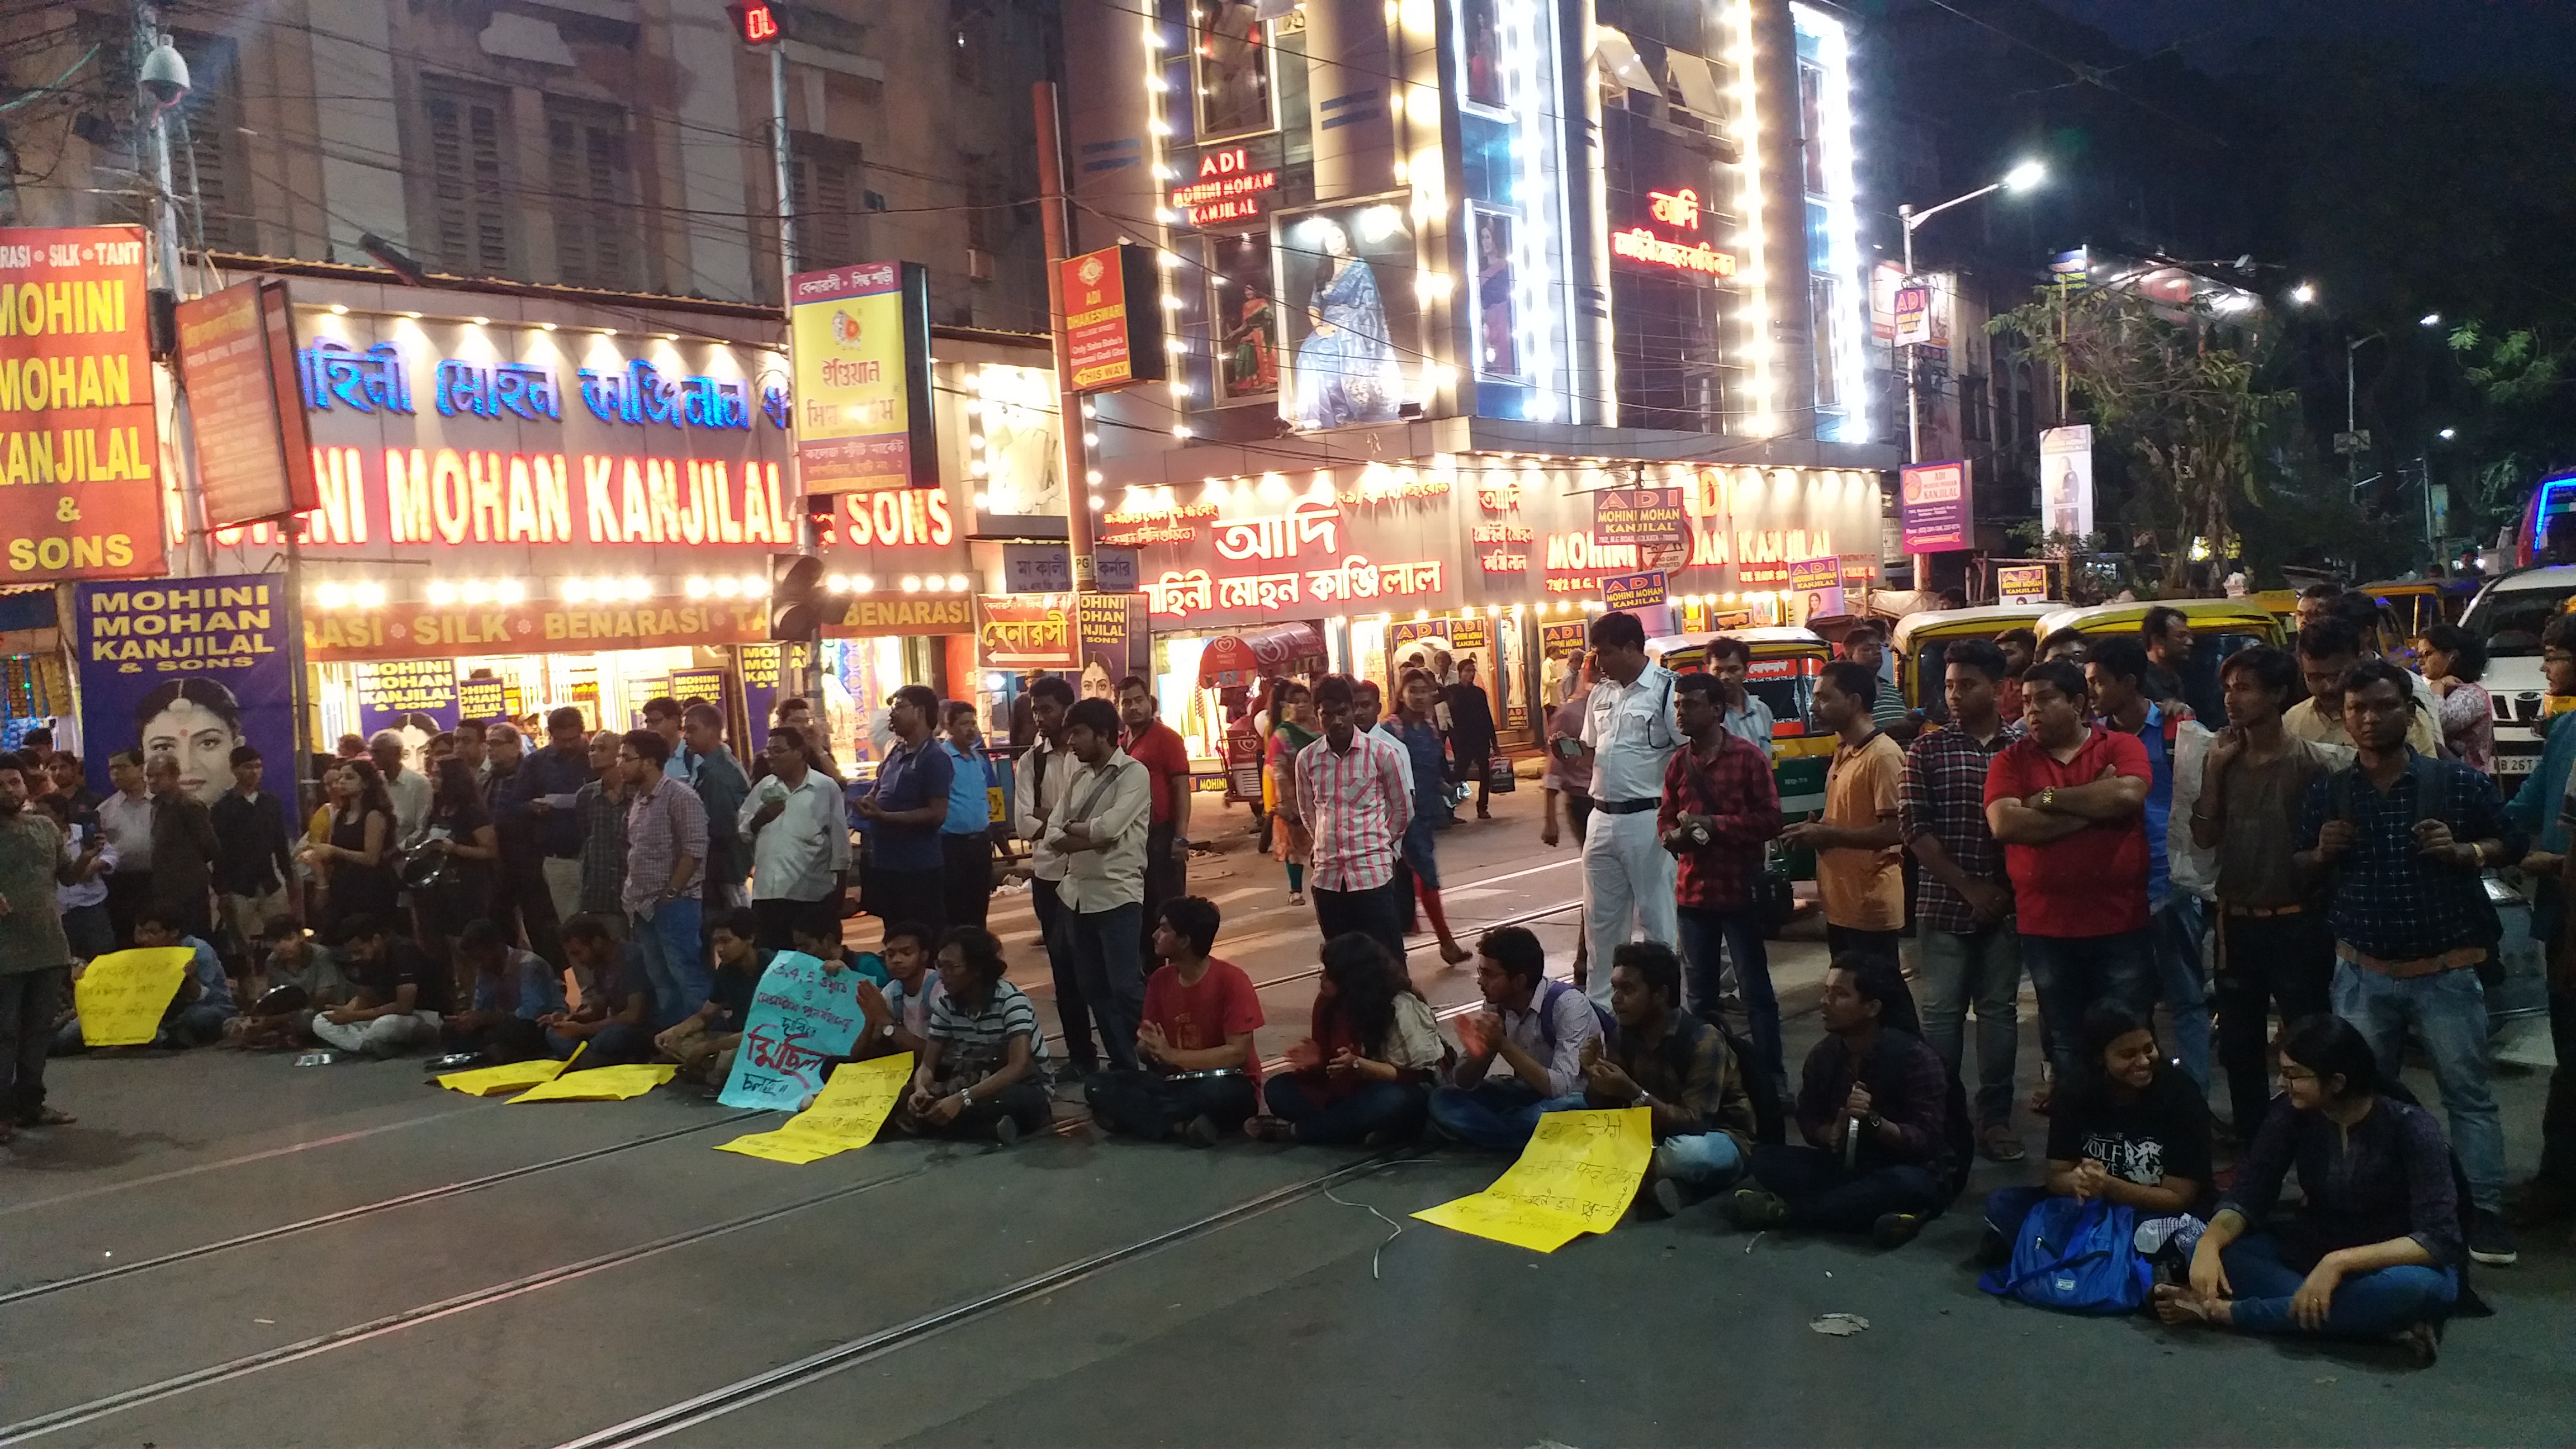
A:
(786, 169)
(163, 81)
(1069, 421)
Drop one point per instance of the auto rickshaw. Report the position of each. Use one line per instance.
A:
(2219, 627)
(1785, 667)
(1921, 639)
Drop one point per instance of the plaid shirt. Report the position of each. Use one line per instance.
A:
(601, 820)
(1944, 796)
(1742, 801)
(2389, 901)
(661, 827)
(1355, 808)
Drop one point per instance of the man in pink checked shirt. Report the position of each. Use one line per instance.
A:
(1351, 794)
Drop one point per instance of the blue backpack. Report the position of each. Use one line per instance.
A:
(2076, 1258)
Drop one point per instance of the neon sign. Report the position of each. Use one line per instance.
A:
(1679, 209)
(336, 375)
(1227, 189)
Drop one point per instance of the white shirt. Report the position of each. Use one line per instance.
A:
(410, 793)
(799, 854)
(1116, 799)
(1031, 796)
(1633, 732)
(127, 823)
(91, 892)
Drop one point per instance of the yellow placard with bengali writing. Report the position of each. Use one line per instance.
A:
(846, 1114)
(121, 995)
(600, 1084)
(497, 1081)
(1577, 1175)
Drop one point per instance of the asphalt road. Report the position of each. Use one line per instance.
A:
(231, 1250)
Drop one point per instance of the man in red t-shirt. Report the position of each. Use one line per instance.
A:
(1167, 773)
(2067, 802)
(1200, 1075)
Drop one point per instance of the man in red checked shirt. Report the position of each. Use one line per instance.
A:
(1167, 774)
(1720, 806)
(2068, 803)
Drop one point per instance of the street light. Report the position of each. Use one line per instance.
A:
(2021, 178)
(2430, 319)
(2304, 293)
(2449, 433)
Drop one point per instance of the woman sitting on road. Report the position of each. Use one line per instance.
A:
(1365, 1074)
(2132, 1133)
(2375, 1248)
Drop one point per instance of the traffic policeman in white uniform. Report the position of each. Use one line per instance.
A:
(1631, 727)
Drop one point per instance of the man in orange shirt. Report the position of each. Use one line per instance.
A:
(1860, 868)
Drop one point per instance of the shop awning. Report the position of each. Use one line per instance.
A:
(1257, 654)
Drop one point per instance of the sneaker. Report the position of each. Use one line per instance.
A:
(1006, 1132)
(1296, 898)
(1199, 1131)
(2489, 1243)
(1895, 1230)
(2000, 1143)
(1752, 1209)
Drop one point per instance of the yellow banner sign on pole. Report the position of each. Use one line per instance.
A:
(120, 996)
(846, 1114)
(1578, 1175)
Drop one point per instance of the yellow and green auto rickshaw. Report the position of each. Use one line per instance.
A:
(1921, 639)
(1785, 667)
(2219, 627)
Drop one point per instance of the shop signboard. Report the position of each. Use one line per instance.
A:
(80, 490)
(1913, 315)
(189, 669)
(690, 685)
(1114, 643)
(1460, 635)
(482, 698)
(1628, 593)
(768, 671)
(1816, 585)
(415, 698)
(2021, 583)
(1113, 570)
(860, 337)
(1936, 503)
(536, 626)
(237, 360)
(1563, 641)
(1647, 517)
(1027, 631)
(1113, 325)
(2066, 480)
(873, 616)
(1036, 568)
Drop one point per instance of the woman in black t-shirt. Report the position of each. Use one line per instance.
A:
(2134, 1132)
(461, 829)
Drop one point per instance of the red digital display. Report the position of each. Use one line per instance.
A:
(757, 21)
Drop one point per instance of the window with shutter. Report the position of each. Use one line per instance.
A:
(592, 195)
(828, 196)
(468, 177)
(210, 121)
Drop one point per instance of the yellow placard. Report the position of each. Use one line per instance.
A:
(121, 995)
(600, 1084)
(1577, 1175)
(846, 1114)
(501, 1080)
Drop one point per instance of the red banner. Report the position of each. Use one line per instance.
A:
(237, 358)
(80, 495)
(427, 631)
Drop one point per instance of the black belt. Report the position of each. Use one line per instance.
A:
(1625, 807)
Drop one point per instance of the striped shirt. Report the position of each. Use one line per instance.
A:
(662, 825)
(1355, 808)
(977, 1042)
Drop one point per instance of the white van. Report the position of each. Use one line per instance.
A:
(2509, 615)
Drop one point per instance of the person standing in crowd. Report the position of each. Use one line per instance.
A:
(1872, 1106)
(520, 902)
(399, 994)
(550, 782)
(461, 829)
(469, 746)
(1037, 796)
(1569, 779)
(1426, 774)
(2122, 680)
(1471, 734)
(1159, 748)
(1631, 726)
(1720, 808)
(1100, 833)
(1291, 731)
(1363, 1071)
(355, 864)
(2328, 649)
(2544, 809)
(1963, 904)
(2273, 945)
(717, 777)
(408, 788)
(2454, 660)
(2400, 839)
(1866, 645)
(88, 860)
(1370, 716)
(1024, 716)
(1860, 871)
(126, 816)
(800, 845)
(1349, 790)
(1676, 1066)
(35, 956)
(2066, 644)
(1199, 1074)
(903, 811)
(254, 869)
(666, 847)
(2164, 642)
(2066, 800)
(184, 848)
(1534, 1029)
(2315, 602)
(662, 716)
(1741, 712)
(599, 814)
(2020, 647)
(983, 1070)
(966, 836)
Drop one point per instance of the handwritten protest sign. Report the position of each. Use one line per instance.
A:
(600, 1084)
(800, 1018)
(499, 1081)
(844, 1118)
(122, 994)
(1578, 1175)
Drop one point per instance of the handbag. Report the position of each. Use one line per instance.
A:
(2075, 1257)
(1499, 779)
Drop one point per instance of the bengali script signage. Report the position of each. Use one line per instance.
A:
(237, 359)
(431, 631)
(1678, 210)
(861, 338)
(80, 493)
(1027, 631)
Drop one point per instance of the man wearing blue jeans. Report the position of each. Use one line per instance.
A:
(1677, 1067)
(666, 852)
(1534, 1028)
(2404, 840)
(1720, 808)
(1108, 809)
(2117, 672)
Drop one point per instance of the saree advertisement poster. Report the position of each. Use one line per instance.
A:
(1354, 328)
(188, 669)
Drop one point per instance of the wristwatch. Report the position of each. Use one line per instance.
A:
(966, 1096)
(2048, 798)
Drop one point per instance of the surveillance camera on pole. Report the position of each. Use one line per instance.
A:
(165, 74)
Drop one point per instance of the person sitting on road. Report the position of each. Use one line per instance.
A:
(2376, 1245)
(822, 941)
(295, 977)
(399, 993)
(514, 989)
(1364, 1072)
(615, 1018)
(1872, 1105)
(704, 1042)
(196, 1015)
(1537, 1028)
(898, 1012)
(983, 1069)
(1199, 1074)
(1676, 1066)
(2130, 1132)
